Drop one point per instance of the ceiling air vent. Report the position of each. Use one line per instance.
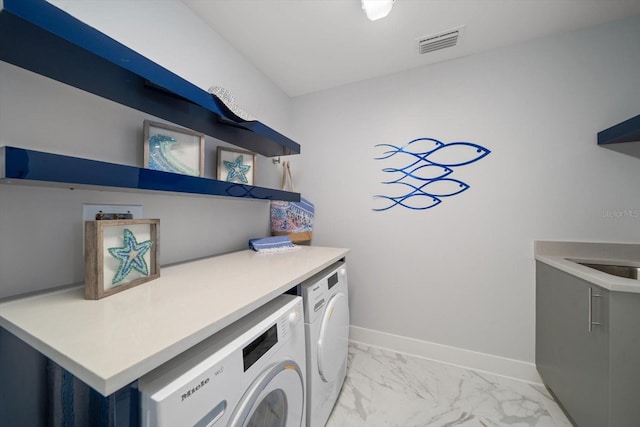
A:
(439, 41)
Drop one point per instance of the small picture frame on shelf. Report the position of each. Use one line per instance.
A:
(119, 254)
(173, 149)
(237, 166)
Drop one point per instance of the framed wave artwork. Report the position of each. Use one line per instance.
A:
(172, 149)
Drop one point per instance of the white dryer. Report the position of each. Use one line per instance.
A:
(326, 317)
(251, 373)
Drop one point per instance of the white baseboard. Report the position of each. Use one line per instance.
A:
(511, 368)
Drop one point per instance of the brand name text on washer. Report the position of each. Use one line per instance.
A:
(194, 389)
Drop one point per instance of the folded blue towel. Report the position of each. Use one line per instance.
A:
(271, 244)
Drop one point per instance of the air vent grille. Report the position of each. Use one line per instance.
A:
(439, 41)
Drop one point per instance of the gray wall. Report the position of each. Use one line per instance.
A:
(462, 274)
(41, 242)
(41, 228)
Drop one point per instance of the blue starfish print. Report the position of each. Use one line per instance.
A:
(131, 256)
(237, 170)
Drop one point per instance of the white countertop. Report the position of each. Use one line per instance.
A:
(111, 342)
(561, 254)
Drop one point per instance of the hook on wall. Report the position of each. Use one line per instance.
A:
(276, 160)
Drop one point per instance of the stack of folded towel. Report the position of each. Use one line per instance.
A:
(272, 244)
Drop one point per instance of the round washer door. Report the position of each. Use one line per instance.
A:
(333, 340)
(274, 399)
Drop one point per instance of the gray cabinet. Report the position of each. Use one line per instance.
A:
(588, 348)
(572, 360)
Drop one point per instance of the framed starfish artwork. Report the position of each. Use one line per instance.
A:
(119, 254)
(237, 166)
(172, 149)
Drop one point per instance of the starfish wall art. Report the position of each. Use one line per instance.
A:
(120, 254)
(236, 166)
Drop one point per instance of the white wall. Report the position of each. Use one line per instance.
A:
(170, 34)
(41, 228)
(462, 274)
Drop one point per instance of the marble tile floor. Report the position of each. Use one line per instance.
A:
(384, 388)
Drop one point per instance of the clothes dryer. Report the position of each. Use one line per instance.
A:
(326, 317)
(250, 374)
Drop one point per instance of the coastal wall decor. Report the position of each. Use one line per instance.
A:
(172, 149)
(119, 254)
(293, 219)
(236, 166)
(420, 173)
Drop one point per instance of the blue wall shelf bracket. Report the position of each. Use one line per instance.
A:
(623, 137)
(37, 36)
(19, 165)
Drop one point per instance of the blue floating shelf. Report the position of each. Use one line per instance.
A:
(37, 36)
(19, 165)
(623, 137)
(627, 131)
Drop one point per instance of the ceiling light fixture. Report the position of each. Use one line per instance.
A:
(377, 9)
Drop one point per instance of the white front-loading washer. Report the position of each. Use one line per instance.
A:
(326, 317)
(252, 373)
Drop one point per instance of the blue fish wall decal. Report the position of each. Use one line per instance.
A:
(421, 177)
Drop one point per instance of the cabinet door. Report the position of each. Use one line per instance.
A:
(571, 359)
(624, 355)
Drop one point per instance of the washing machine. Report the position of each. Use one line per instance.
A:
(326, 324)
(251, 374)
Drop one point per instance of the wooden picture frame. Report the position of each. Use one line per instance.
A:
(173, 149)
(119, 254)
(238, 166)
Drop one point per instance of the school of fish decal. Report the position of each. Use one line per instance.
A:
(420, 172)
